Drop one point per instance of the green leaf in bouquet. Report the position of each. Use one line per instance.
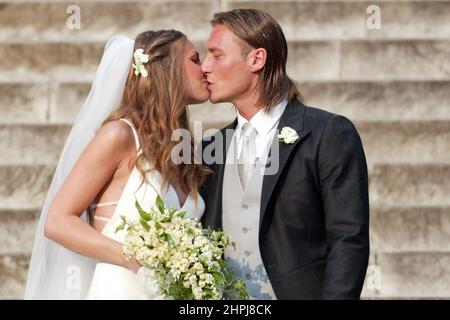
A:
(194, 251)
(144, 215)
(168, 237)
(119, 228)
(145, 225)
(214, 267)
(191, 232)
(159, 204)
(206, 233)
(189, 295)
(219, 278)
(208, 292)
(222, 263)
(171, 213)
(182, 292)
(166, 219)
(203, 260)
(122, 225)
(182, 214)
(236, 290)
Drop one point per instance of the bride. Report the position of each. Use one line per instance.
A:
(119, 151)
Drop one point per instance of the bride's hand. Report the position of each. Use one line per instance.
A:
(133, 264)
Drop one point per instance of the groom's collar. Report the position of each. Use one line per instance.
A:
(264, 120)
(292, 116)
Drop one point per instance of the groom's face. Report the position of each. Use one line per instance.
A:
(226, 66)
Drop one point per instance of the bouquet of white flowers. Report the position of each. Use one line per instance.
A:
(184, 260)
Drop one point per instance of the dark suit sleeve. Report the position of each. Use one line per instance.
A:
(344, 187)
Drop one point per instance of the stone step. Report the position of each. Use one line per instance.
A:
(309, 20)
(381, 101)
(405, 229)
(359, 101)
(348, 19)
(384, 142)
(410, 185)
(32, 144)
(308, 60)
(391, 185)
(24, 102)
(412, 274)
(24, 187)
(17, 231)
(395, 60)
(39, 103)
(406, 142)
(13, 275)
(389, 60)
(47, 62)
(49, 21)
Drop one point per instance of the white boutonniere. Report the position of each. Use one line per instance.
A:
(288, 135)
(140, 58)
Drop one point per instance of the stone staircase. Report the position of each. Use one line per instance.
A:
(393, 83)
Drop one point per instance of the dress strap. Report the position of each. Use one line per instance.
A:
(104, 204)
(136, 137)
(100, 218)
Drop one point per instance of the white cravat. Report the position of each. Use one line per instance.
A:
(265, 126)
(246, 159)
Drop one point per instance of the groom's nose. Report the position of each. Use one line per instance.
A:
(206, 66)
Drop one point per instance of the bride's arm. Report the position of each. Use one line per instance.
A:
(110, 149)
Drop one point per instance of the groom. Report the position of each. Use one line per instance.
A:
(297, 205)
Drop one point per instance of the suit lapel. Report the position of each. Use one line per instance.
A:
(292, 117)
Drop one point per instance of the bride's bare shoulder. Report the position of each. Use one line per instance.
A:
(116, 135)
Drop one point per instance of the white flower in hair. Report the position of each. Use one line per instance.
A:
(139, 59)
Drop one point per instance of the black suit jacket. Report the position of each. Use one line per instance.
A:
(314, 217)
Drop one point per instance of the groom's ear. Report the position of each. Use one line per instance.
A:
(257, 59)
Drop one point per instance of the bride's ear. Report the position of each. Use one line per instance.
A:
(257, 59)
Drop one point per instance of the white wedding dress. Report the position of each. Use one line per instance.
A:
(115, 282)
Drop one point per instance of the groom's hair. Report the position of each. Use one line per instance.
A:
(258, 29)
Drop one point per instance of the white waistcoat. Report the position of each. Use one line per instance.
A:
(241, 214)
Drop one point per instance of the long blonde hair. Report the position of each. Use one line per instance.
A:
(156, 105)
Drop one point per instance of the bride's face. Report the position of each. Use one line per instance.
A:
(195, 81)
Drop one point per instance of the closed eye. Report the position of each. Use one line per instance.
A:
(196, 59)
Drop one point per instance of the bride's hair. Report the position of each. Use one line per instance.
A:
(156, 105)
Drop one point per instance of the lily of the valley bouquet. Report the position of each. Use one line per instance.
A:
(184, 260)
